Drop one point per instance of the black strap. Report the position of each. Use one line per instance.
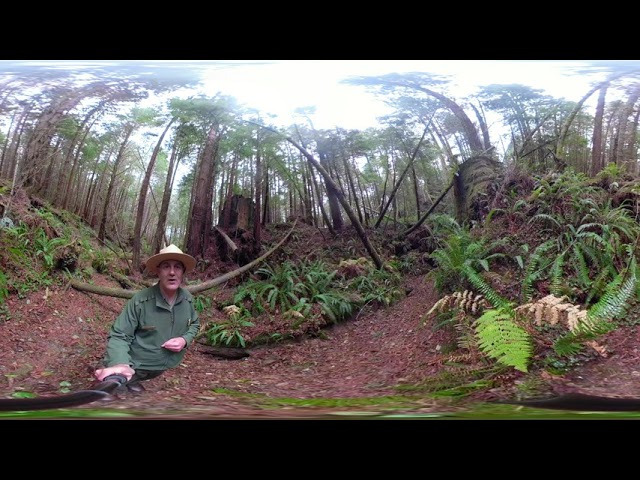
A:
(100, 391)
(582, 402)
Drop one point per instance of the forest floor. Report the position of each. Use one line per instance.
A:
(370, 366)
(53, 340)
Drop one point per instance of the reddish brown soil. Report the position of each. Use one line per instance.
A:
(52, 340)
(60, 338)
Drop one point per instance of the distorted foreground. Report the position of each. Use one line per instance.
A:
(53, 340)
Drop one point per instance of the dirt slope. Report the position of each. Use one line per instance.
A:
(53, 340)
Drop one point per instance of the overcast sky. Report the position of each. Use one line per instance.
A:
(278, 87)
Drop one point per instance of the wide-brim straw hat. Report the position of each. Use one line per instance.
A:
(171, 253)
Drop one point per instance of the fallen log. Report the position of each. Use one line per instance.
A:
(230, 243)
(194, 289)
(229, 353)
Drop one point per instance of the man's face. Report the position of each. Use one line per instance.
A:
(170, 273)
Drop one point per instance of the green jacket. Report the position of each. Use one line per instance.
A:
(145, 323)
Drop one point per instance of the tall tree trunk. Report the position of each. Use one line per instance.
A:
(257, 225)
(416, 190)
(232, 172)
(14, 162)
(612, 134)
(93, 181)
(471, 133)
(567, 124)
(112, 182)
(307, 197)
(5, 148)
(354, 219)
(597, 162)
(352, 187)
(266, 215)
(627, 132)
(318, 194)
(78, 148)
(142, 199)
(43, 132)
(45, 182)
(159, 237)
(364, 195)
(333, 193)
(402, 176)
(633, 135)
(197, 239)
(486, 138)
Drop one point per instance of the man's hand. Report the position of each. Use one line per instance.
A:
(121, 369)
(175, 344)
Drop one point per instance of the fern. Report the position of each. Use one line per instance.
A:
(574, 341)
(598, 318)
(535, 265)
(479, 283)
(598, 286)
(334, 305)
(503, 340)
(556, 275)
(459, 251)
(582, 269)
(616, 296)
(466, 301)
(568, 345)
(545, 217)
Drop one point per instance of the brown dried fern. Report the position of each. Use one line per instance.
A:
(464, 363)
(554, 310)
(461, 358)
(467, 301)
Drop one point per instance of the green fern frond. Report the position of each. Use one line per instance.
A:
(616, 296)
(556, 276)
(532, 272)
(598, 285)
(582, 269)
(545, 217)
(629, 249)
(492, 212)
(443, 319)
(592, 238)
(588, 328)
(573, 342)
(592, 255)
(442, 258)
(587, 226)
(503, 340)
(473, 249)
(520, 203)
(568, 345)
(480, 284)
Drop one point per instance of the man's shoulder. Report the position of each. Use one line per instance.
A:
(186, 294)
(144, 295)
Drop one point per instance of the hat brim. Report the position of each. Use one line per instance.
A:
(187, 260)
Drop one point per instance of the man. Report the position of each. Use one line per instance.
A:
(156, 326)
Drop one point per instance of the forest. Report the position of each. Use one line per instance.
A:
(529, 235)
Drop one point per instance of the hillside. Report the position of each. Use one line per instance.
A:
(384, 361)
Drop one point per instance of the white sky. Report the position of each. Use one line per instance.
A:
(279, 87)
(282, 86)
